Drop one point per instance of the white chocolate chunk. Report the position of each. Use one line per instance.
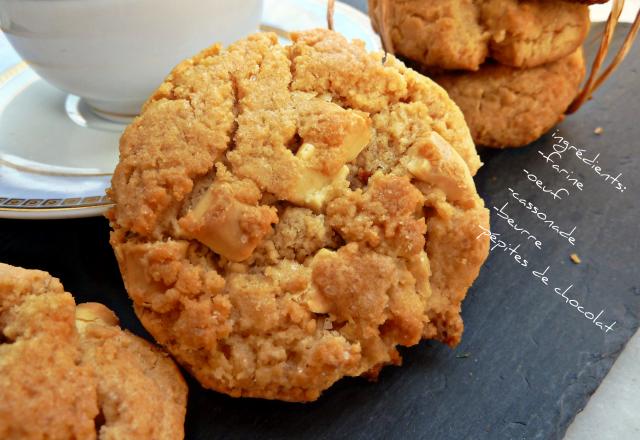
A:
(434, 161)
(89, 313)
(313, 185)
(228, 226)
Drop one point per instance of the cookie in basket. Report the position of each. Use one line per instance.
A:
(286, 216)
(69, 371)
(464, 34)
(509, 107)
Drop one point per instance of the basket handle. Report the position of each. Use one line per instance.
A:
(331, 6)
(594, 81)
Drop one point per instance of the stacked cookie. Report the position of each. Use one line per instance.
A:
(513, 66)
(286, 216)
(69, 371)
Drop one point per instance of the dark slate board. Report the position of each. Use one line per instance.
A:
(528, 362)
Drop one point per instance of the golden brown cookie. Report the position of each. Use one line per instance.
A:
(508, 107)
(463, 34)
(69, 371)
(287, 216)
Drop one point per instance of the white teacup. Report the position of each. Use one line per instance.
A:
(114, 53)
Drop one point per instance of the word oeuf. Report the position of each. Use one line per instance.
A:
(556, 194)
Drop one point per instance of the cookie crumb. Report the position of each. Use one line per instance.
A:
(598, 130)
(575, 258)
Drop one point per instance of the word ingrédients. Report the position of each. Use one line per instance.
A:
(562, 146)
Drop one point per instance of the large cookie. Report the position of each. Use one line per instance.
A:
(69, 371)
(463, 34)
(287, 216)
(508, 107)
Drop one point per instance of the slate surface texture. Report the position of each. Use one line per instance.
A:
(528, 361)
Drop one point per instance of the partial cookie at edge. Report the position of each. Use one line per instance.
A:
(75, 372)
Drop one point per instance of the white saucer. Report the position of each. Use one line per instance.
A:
(56, 157)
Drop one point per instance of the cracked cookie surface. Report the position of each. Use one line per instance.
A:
(508, 107)
(463, 34)
(69, 371)
(286, 216)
